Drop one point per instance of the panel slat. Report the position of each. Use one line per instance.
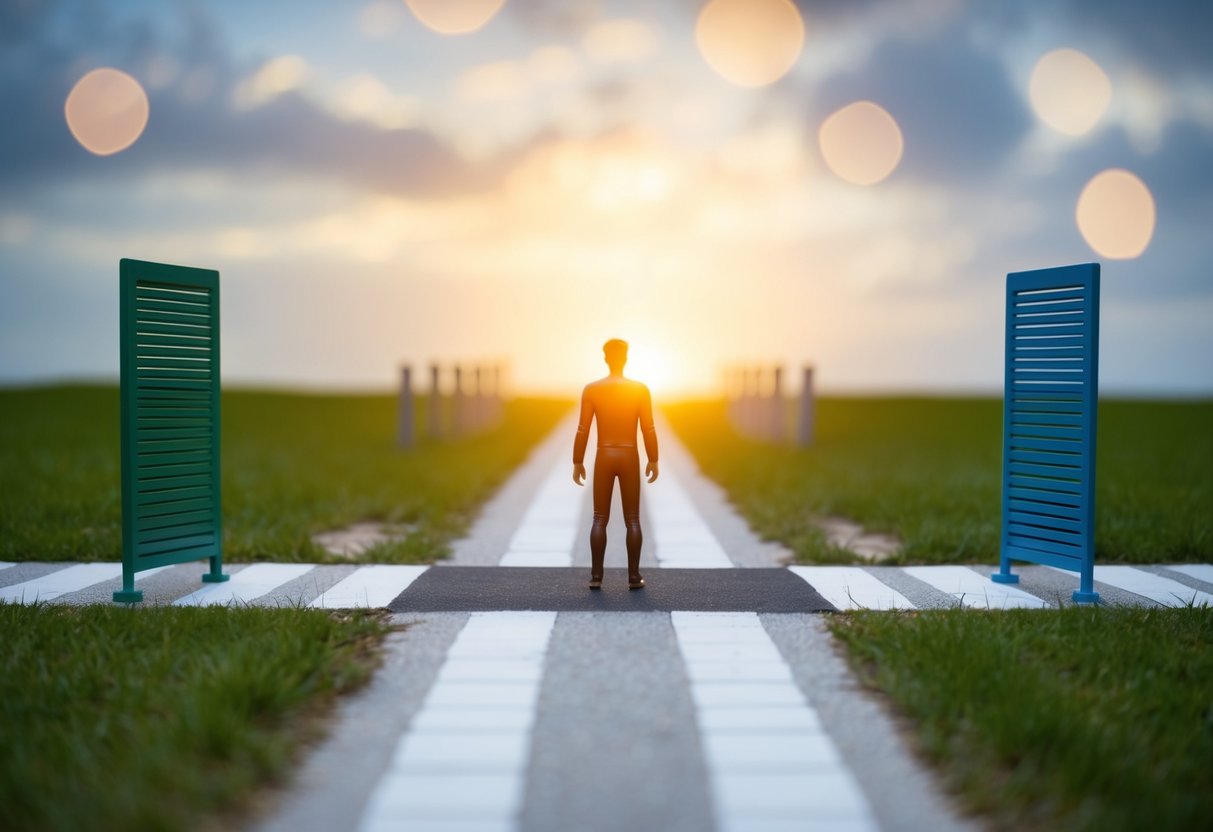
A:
(1022, 374)
(172, 384)
(1037, 507)
(178, 555)
(191, 542)
(179, 316)
(1060, 524)
(168, 306)
(1074, 305)
(152, 486)
(1020, 530)
(1056, 419)
(153, 373)
(146, 292)
(175, 532)
(183, 499)
(177, 518)
(1038, 545)
(1048, 330)
(151, 474)
(1033, 443)
(199, 353)
(1040, 341)
(1028, 351)
(168, 423)
(1060, 432)
(159, 362)
(1029, 405)
(1032, 363)
(1022, 489)
(175, 433)
(1027, 298)
(1048, 389)
(1042, 471)
(1064, 462)
(169, 341)
(194, 332)
(152, 458)
(159, 446)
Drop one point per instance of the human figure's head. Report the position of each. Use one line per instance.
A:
(615, 352)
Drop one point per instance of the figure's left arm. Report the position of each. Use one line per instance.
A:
(649, 432)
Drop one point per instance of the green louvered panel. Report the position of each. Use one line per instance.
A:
(170, 416)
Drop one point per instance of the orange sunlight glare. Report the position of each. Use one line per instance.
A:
(454, 17)
(1116, 214)
(106, 111)
(751, 43)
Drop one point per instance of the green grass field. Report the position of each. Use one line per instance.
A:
(293, 465)
(928, 470)
(163, 718)
(1070, 719)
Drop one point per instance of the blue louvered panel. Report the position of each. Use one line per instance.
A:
(1052, 351)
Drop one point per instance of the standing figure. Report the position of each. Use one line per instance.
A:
(620, 405)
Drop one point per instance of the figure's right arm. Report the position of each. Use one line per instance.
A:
(583, 436)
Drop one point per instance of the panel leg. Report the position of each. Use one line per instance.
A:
(1004, 574)
(128, 594)
(216, 575)
(1086, 593)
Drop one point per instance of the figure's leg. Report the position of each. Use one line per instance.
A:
(629, 491)
(604, 480)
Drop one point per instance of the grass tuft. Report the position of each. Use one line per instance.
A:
(1083, 719)
(156, 718)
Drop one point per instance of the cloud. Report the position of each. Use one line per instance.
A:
(193, 123)
(958, 113)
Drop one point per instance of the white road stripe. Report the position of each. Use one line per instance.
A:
(462, 761)
(369, 587)
(546, 535)
(4, 564)
(852, 588)
(770, 763)
(1161, 590)
(680, 537)
(246, 585)
(1199, 571)
(973, 589)
(72, 579)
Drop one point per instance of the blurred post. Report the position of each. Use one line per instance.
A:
(808, 409)
(435, 403)
(405, 434)
(478, 415)
(497, 400)
(460, 419)
(775, 420)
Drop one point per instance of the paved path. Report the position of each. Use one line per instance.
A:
(516, 699)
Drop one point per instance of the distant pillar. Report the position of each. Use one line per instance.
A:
(459, 404)
(776, 416)
(435, 403)
(479, 416)
(405, 435)
(808, 409)
(497, 398)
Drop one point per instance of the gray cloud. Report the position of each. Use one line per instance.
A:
(958, 113)
(192, 126)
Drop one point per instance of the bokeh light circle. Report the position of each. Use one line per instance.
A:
(861, 143)
(751, 43)
(106, 111)
(1116, 214)
(454, 17)
(1069, 91)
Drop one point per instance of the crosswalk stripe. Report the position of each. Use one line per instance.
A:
(248, 584)
(546, 534)
(462, 761)
(680, 536)
(1199, 571)
(852, 588)
(4, 564)
(60, 582)
(1161, 590)
(369, 587)
(765, 750)
(974, 590)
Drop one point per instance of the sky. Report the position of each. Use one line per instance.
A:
(847, 187)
